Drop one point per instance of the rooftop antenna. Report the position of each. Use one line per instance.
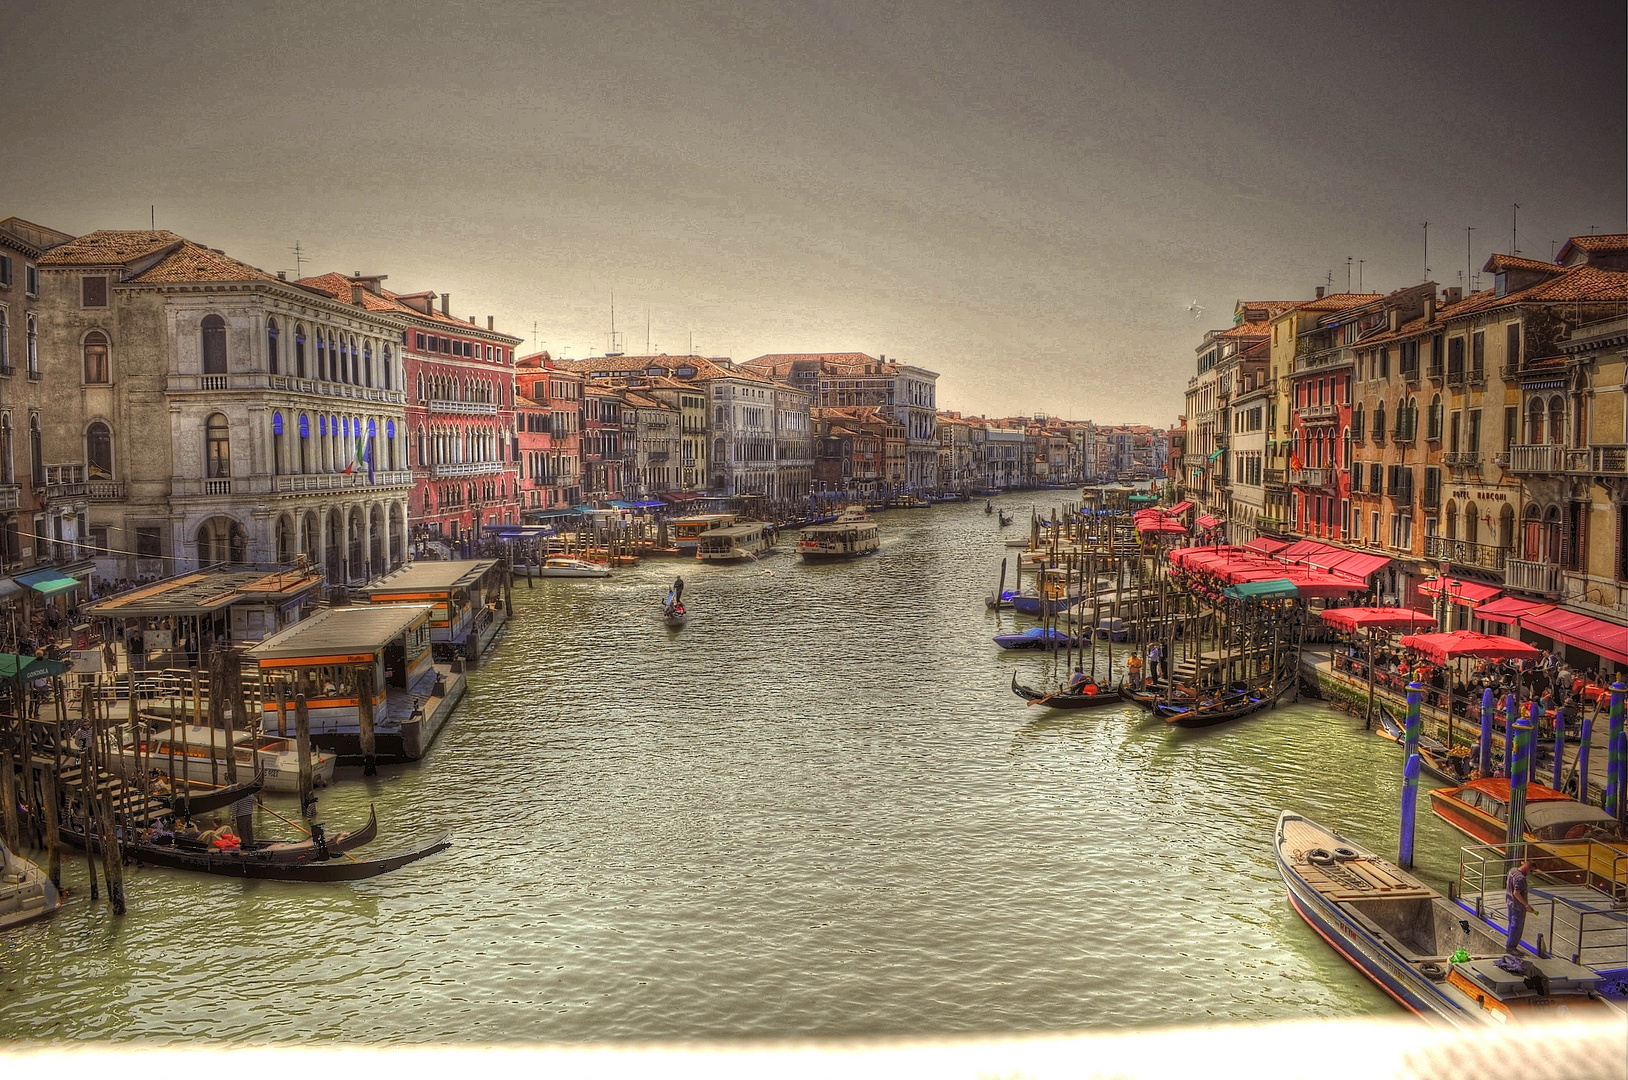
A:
(1514, 233)
(152, 218)
(1426, 227)
(535, 343)
(647, 330)
(1329, 283)
(299, 260)
(615, 338)
(1469, 261)
(692, 344)
(1348, 273)
(1359, 273)
(1551, 251)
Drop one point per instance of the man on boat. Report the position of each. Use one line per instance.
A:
(1134, 667)
(1156, 665)
(1517, 904)
(1079, 684)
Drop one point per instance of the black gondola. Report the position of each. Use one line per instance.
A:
(1151, 694)
(207, 801)
(250, 864)
(1233, 705)
(1061, 700)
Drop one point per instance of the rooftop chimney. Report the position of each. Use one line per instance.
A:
(1430, 307)
(356, 292)
(1319, 292)
(282, 275)
(1454, 295)
(471, 320)
(488, 322)
(446, 304)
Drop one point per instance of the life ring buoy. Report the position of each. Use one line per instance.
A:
(1320, 857)
(1345, 854)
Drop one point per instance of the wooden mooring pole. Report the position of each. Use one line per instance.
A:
(364, 719)
(302, 745)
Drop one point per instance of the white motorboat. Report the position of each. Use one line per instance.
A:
(570, 566)
(202, 759)
(25, 890)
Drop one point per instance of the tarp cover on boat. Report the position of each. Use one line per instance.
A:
(1460, 591)
(1378, 618)
(1444, 647)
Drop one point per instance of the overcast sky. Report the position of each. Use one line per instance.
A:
(1025, 197)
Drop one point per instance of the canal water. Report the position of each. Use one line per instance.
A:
(815, 811)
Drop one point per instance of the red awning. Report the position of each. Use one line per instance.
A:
(1460, 591)
(1208, 521)
(1181, 507)
(1266, 545)
(1584, 631)
(1166, 525)
(1377, 618)
(1444, 647)
(1301, 550)
(1353, 564)
(1507, 609)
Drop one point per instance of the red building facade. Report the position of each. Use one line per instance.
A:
(548, 437)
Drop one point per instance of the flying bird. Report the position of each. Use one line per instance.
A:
(1196, 308)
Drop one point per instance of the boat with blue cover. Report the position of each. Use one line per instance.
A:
(1035, 639)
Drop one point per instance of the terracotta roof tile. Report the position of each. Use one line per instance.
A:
(339, 285)
(1499, 263)
(190, 262)
(1340, 301)
(110, 247)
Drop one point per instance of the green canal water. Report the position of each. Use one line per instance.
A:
(815, 811)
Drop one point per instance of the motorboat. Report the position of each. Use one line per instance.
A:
(1415, 944)
(1567, 839)
(1036, 639)
(731, 543)
(569, 566)
(853, 534)
(1112, 629)
(199, 755)
(26, 891)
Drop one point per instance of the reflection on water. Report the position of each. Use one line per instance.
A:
(815, 810)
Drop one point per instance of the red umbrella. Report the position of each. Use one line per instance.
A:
(1378, 618)
(1444, 647)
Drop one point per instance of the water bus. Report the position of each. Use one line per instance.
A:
(687, 530)
(732, 542)
(850, 536)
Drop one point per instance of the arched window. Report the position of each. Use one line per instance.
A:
(322, 356)
(36, 451)
(1552, 548)
(1534, 421)
(367, 364)
(271, 346)
(214, 345)
(384, 364)
(1532, 533)
(1452, 520)
(95, 351)
(217, 447)
(1579, 421)
(33, 345)
(99, 451)
(1472, 523)
(1557, 420)
(305, 443)
(299, 349)
(277, 443)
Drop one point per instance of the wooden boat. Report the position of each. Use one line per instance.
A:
(1112, 629)
(569, 566)
(1434, 755)
(1232, 705)
(672, 609)
(26, 891)
(275, 759)
(1005, 518)
(207, 799)
(1150, 694)
(989, 508)
(850, 536)
(1036, 639)
(1063, 700)
(1567, 839)
(205, 860)
(1029, 604)
(1404, 936)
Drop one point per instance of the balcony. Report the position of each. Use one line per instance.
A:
(1325, 411)
(215, 384)
(10, 496)
(1542, 578)
(1313, 478)
(1465, 553)
(1538, 459)
(1468, 459)
(445, 469)
(64, 482)
(105, 491)
(304, 482)
(462, 408)
(1274, 477)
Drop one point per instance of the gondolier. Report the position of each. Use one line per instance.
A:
(1517, 904)
(1156, 668)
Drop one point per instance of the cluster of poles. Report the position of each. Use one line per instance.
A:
(1520, 735)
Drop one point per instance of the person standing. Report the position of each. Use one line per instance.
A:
(1517, 905)
(1156, 668)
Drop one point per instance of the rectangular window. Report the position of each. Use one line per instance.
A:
(1478, 355)
(1455, 359)
(93, 291)
(1375, 471)
(418, 342)
(1373, 527)
(1384, 363)
(1512, 425)
(5, 270)
(1453, 431)
(1512, 345)
(1473, 432)
(33, 280)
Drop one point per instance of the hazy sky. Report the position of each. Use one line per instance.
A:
(1025, 197)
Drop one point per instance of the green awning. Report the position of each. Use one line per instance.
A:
(1262, 590)
(1217, 453)
(47, 582)
(15, 666)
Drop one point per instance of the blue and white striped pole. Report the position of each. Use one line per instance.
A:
(1410, 802)
(1587, 736)
(1488, 697)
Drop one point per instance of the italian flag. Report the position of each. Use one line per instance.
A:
(361, 450)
